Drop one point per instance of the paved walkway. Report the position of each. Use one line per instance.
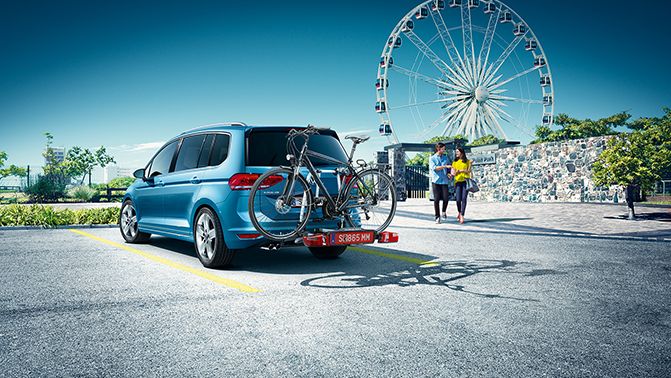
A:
(576, 219)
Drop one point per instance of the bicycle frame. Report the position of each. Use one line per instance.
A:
(339, 204)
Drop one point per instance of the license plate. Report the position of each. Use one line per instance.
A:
(352, 237)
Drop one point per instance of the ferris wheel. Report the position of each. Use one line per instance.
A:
(463, 68)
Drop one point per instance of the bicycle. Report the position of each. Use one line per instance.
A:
(366, 197)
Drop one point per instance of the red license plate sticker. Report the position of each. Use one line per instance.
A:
(356, 237)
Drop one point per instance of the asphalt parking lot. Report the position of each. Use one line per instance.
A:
(444, 301)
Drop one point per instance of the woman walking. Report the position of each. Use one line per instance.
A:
(461, 169)
(439, 168)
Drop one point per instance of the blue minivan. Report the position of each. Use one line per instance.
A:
(196, 188)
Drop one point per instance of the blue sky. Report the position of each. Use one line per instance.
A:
(129, 75)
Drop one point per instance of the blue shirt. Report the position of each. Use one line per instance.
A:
(438, 177)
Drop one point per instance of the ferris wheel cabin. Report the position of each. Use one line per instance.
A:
(385, 129)
(381, 107)
(505, 16)
(455, 3)
(407, 26)
(381, 83)
(545, 81)
(519, 29)
(531, 45)
(547, 119)
(386, 63)
(394, 42)
(422, 13)
(539, 61)
(490, 7)
(473, 3)
(547, 100)
(438, 5)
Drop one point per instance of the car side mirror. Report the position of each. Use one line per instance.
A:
(139, 173)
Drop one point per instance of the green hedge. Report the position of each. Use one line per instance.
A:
(47, 216)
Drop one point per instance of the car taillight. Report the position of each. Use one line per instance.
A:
(346, 179)
(245, 181)
(270, 181)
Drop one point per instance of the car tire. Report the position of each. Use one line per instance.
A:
(208, 238)
(328, 253)
(128, 224)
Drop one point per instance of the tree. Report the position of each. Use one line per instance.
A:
(573, 128)
(485, 140)
(637, 159)
(80, 162)
(12, 170)
(422, 158)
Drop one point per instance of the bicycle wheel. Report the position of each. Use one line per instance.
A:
(279, 204)
(371, 200)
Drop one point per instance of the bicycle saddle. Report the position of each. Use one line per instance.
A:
(356, 139)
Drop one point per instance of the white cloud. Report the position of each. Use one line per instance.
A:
(138, 147)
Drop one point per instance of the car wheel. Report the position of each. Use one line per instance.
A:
(209, 240)
(327, 253)
(128, 224)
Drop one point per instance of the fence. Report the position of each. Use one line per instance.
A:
(416, 180)
(662, 188)
(114, 193)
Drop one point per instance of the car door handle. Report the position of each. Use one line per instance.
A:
(195, 180)
(159, 182)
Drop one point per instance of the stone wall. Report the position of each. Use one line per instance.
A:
(557, 171)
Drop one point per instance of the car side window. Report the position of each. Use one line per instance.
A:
(189, 153)
(219, 149)
(160, 165)
(204, 158)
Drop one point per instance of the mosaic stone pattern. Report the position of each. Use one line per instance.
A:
(548, 172)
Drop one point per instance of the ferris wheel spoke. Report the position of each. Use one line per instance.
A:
(448, 42)
(428, 53)
(465, 126)
(453, 123)
(417, 75)
(467, 34)
(499, 111)
(454, 119)
(455, 93)
(497, 91)
(457, 105)
(511, 122)
(491, 120)
(458, 79)
(491, 71)
(508, 80)
(419, 104)
(443, 117)
(515, 99)
(489, 37)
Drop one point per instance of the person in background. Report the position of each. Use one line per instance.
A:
(440, 176)
(461, 169)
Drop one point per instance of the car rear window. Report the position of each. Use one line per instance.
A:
(269, 148)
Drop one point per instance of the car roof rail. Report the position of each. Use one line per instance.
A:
(242, 124)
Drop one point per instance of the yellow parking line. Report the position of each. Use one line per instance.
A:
(200, 273)
(395, 256)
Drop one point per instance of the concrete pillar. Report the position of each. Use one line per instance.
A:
(397, 160)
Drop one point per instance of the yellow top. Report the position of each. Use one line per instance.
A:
(460, 166)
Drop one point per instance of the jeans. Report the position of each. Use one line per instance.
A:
(440, 192)
(462, 196)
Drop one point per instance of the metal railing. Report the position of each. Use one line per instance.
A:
(662, 188)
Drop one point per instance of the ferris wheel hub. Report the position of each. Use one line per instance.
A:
(481, 94)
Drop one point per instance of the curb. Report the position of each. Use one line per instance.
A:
(11, 228)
